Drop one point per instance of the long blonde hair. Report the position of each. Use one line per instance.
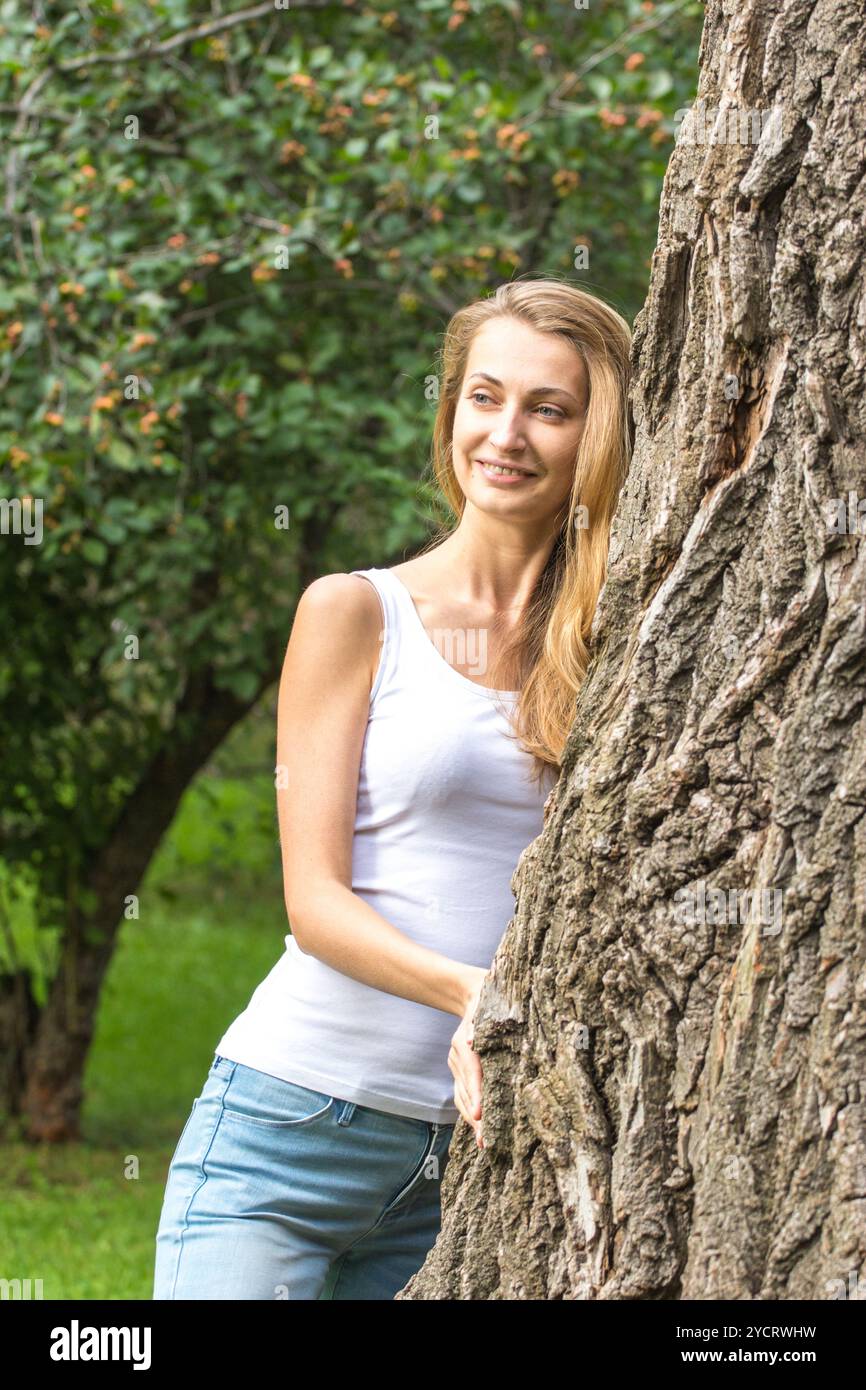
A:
(551, 645)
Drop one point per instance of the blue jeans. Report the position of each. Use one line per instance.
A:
(276, 1191)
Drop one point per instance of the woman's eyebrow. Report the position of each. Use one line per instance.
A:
(533, 390)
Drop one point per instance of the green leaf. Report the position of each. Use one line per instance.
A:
(121, 453)
(600, 86)
(243, 684)
(94, 551)
(659, 85)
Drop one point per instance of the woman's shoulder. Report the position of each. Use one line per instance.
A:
(340, 594)
(345, 606)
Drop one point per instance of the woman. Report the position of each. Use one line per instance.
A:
(411, 774)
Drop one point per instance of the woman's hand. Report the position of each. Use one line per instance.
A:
(463, 1060)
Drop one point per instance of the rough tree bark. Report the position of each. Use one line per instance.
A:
(675, 1111)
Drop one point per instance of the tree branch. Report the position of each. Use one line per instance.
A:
(201, 31)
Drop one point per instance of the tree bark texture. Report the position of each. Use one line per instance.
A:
(676, 1111)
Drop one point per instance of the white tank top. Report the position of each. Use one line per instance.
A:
(444, 809)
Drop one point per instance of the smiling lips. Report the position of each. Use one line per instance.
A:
(514, 473)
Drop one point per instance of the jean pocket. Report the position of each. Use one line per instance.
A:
(256, 1098)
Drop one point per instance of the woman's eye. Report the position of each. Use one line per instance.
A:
(554, 413)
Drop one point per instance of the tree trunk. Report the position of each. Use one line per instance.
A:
(46, 1050)
(672, 1095)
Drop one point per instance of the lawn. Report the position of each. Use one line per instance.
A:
(82, 1217)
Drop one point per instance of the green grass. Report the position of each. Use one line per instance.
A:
(82, 1217)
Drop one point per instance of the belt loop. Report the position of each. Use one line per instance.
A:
(346, 1113)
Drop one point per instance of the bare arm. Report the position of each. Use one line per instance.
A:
(322, 716)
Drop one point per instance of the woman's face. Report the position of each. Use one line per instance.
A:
(522, 404)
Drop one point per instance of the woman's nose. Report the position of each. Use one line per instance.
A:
(507, 433)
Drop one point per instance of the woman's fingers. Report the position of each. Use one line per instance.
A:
(466, 1069)
(472, 1079)
(465, 1066)
(461, 1089)
(462, 1101)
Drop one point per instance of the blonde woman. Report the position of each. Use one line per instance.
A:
(422, 713)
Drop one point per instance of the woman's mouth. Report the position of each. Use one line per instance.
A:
(500, 473)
